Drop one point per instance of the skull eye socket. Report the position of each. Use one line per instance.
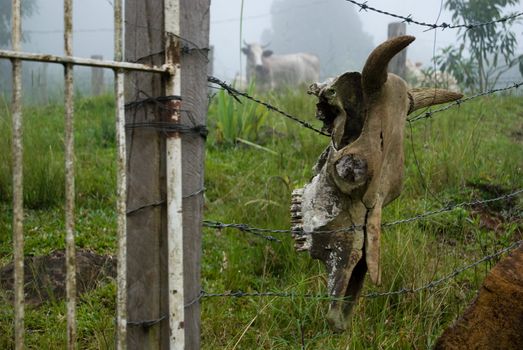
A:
(329, 93)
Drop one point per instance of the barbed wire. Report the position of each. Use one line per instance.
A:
(408, 19)
(372, 295)
(452, 207)
(235, 93)
(429, 113)
(248, 228)
(448, 277)
(244, 228)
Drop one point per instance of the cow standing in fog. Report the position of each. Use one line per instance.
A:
(275, 71)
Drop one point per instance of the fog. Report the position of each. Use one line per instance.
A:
(225, 28)
(93, 28)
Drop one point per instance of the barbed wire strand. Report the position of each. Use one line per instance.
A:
(408, 19)
(372, 295)
(448, 277)
(427, 114)
(234, 93)
(248, 228)
(243, 228)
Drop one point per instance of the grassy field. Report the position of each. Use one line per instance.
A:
(254, 161)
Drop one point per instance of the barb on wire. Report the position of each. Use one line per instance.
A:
(429, 114)
(235, 93)
(408, 19)
(450, 207)
(372, 295)
(245, 228)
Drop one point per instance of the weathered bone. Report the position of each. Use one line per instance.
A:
(374, 72)
(425, 97)
(360, 172)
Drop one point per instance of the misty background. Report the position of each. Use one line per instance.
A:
(334, 30)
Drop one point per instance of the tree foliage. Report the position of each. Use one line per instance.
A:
(485, 52)
(28, 8)
(330, 29)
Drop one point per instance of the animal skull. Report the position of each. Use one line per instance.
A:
(359, 173)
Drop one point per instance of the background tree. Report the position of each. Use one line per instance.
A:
(28, 8)
(332, 30)
(485, 52)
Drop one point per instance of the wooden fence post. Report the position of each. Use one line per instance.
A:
(398, 63)
(97, 78)
(147, 256)
(194, 26)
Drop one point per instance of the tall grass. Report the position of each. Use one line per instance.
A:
(476, 143)
(235, 120)
(44, 152)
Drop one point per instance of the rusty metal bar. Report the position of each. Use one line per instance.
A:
(69, 179)
(174, 181)
(18, 198)
(121, 183)
(79, 61)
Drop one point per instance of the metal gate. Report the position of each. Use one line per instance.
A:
(172, 69)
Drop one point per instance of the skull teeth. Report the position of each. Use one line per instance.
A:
(301, 242)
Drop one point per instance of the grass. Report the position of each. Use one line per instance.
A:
(476, 143)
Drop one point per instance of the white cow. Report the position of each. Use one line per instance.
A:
(275, 71)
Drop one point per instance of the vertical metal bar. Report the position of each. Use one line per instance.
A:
(121, 181)
(18, 199)
(69, 180)
(174, 181)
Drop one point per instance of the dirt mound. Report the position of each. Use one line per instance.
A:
(494, 320)
(44, 276)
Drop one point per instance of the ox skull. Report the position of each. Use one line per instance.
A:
(360, 172)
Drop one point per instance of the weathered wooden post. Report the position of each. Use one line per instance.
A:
(97, 78)
(160, 101)
(398, 63)
(337, 216)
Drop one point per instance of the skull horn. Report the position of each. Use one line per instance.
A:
(245, 43)
(374, 73)
(426, 97)
(266, 45)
